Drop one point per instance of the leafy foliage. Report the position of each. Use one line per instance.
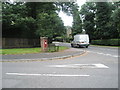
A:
(77, 23)
(88, 14)
(101, 19)
(111, 42)
(116, 17)
(14, 19)
(31, 20)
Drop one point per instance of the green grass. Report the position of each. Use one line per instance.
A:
(61, 48)
(25, 50)
(0, 51)
(21, 51)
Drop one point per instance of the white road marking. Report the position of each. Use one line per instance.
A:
(116, 56)
(111, 48)
(52, 75)
(101, 66)
(81, 66)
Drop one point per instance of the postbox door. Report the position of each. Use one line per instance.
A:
(45, 44)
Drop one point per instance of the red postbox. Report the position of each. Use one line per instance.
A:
(44, 44)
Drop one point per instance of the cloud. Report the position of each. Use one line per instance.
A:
(66, 19)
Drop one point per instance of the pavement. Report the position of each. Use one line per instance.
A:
(71, 52)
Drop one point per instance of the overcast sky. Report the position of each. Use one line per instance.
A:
(68, 19)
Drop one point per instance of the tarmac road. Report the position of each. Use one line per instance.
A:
(96, 68)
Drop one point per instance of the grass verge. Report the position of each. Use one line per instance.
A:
(25, 50)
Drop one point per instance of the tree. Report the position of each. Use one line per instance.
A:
(77, 23)
(115, 17)
(8, 18)
(88, 15)
(65, 7)
(0, 11)
(49, 23)
(71, 9)
(103, 15)
(26, 20)
(34, 19)
(16, 24)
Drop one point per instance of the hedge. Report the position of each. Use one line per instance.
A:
(61, 39)
(109, 42)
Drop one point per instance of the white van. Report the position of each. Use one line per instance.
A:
(80, 40)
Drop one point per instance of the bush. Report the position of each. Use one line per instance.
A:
(109, 42)
(60, 39)
(69, 40)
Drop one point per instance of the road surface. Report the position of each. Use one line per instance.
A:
(97, 68)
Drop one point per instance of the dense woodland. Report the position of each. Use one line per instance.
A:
(101, 20)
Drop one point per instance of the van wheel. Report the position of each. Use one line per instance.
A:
(79, 46)
(86, 46)
(72, 45)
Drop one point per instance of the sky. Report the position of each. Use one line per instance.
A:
(68, 19)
